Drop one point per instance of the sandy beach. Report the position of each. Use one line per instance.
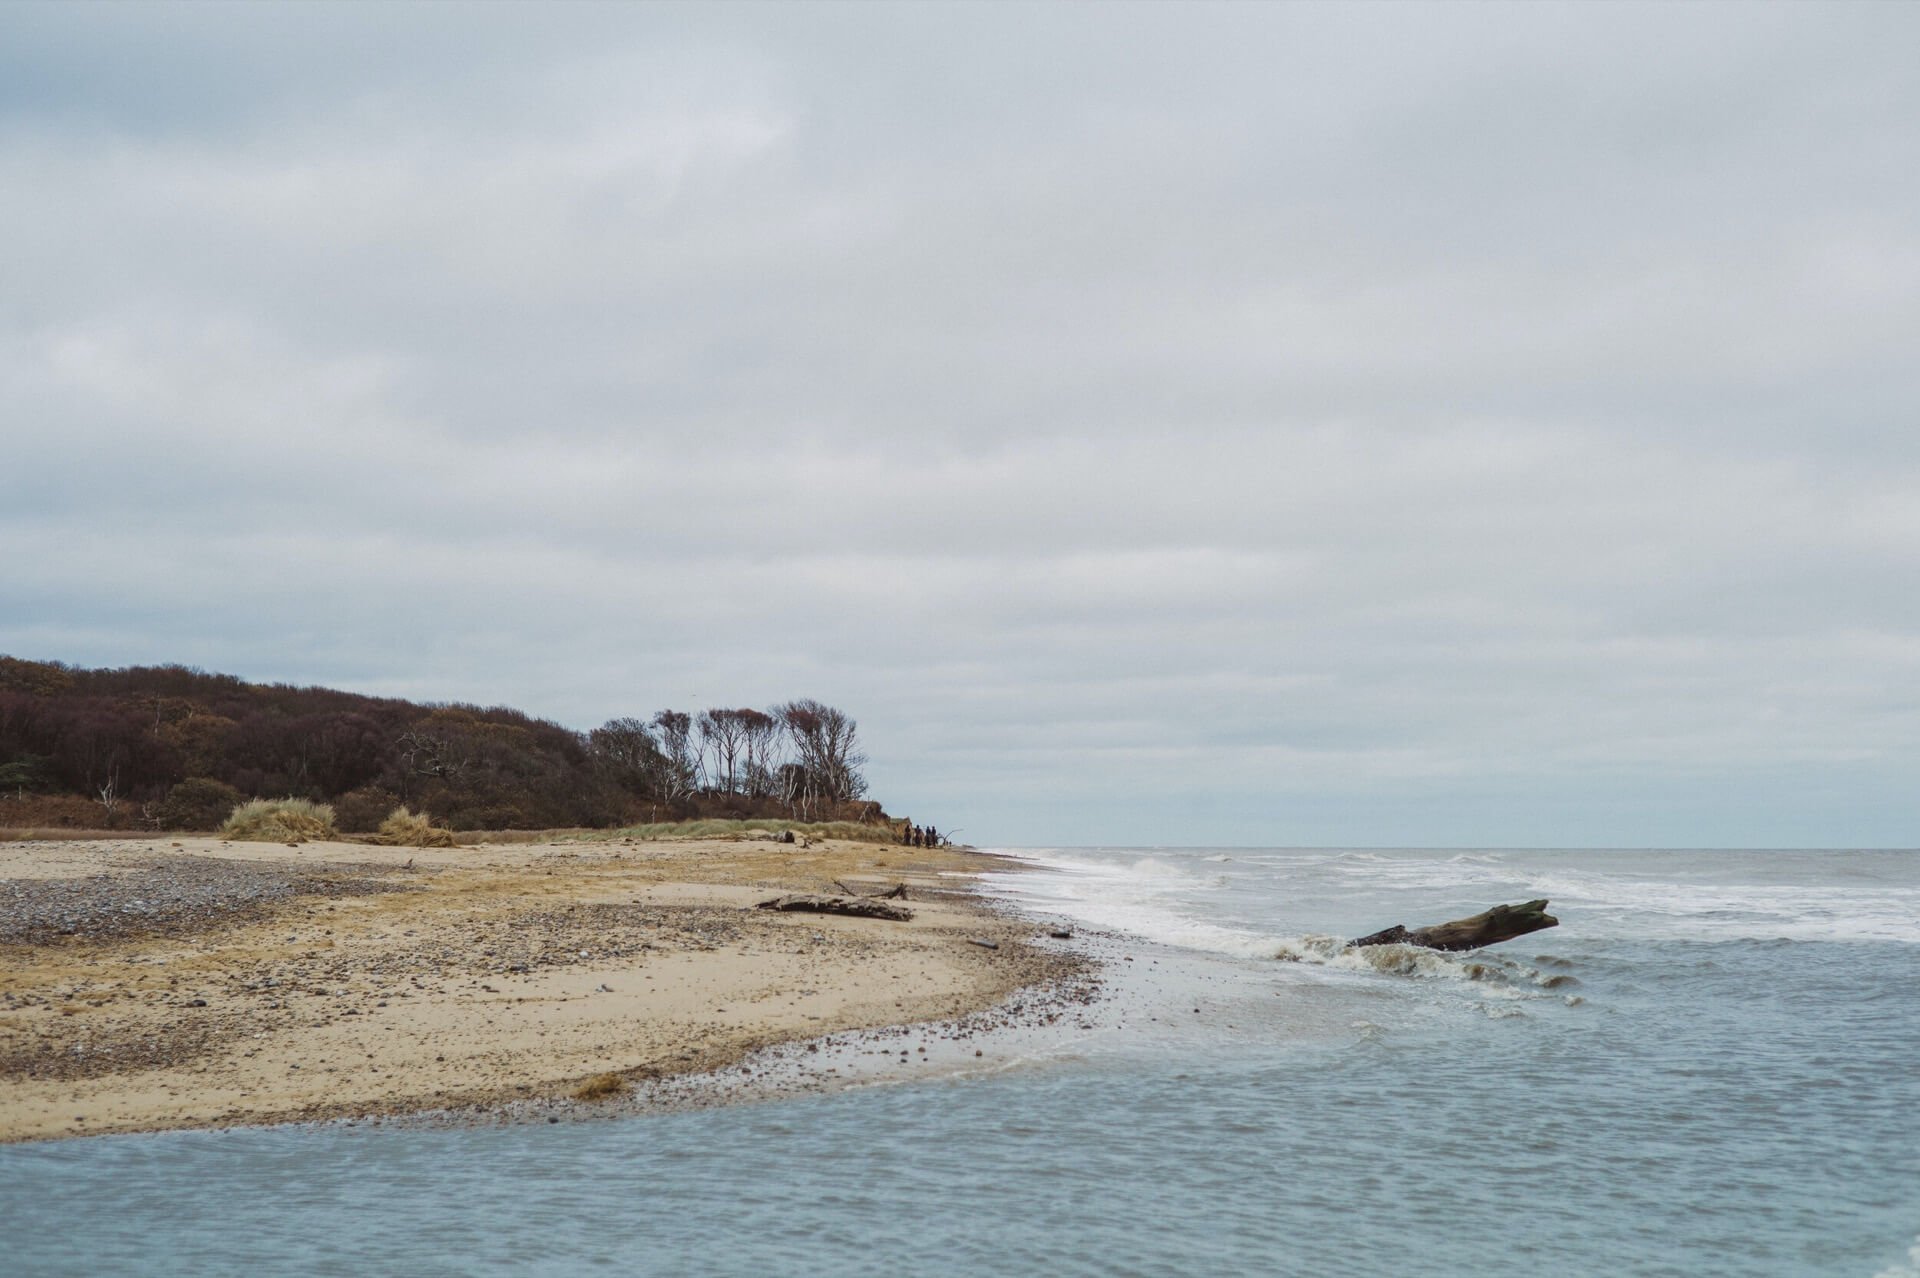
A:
(150, 984)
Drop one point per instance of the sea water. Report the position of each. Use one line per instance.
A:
(1711, 1067)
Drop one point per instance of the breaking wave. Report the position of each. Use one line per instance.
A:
(1149, 897)
(1496, 971)
(1737, 911)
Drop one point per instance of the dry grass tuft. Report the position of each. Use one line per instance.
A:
(404, 828)
(279, 821)
(523, 836)
(601, 1086)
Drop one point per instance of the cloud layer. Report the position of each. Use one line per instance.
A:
(1156, 424)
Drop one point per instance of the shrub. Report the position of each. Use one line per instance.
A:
(499, 816)
(279, 821)
(62, 812)
(407, 829)
(198, 803)
(600, 1086)
(21, 774)
(361, 811)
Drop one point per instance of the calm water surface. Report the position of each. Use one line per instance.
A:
(1712, 1067)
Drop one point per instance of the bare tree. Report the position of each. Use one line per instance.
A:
(790, 784)
(762, 737)
(826, 746)
(800, 722)
(626, 750)
(427, 754)
(841, 757)
(676, 742)
(723, 735)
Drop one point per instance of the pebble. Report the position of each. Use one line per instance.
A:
(167, 895)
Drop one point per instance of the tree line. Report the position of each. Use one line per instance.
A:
(157, 745)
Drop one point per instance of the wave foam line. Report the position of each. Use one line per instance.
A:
(1133, 898)
(1909, 1269)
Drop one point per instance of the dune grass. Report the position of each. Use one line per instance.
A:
(600, 1086)
(279, 821)
(405, 828)
(54, 834)
(723, 828)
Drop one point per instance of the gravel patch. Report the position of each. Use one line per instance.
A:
(167, 896)
(65, 1050)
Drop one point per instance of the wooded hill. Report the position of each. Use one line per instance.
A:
(170, 747)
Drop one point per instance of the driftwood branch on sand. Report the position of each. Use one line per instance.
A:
(897, 891)
(859, 907)
(1501, 923)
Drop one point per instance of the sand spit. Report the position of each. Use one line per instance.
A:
(150, 984)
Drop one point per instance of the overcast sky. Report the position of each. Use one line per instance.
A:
(1274, 424)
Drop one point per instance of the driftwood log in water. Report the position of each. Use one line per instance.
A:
(859, 907)
(1501, 923)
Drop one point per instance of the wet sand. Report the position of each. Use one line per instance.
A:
(150, 984)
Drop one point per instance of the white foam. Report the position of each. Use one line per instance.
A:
(1142, 897)
(1500, 977)
(1910, 1268)
(1739, 911)
(1771, 896)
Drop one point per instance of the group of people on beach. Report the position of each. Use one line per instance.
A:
(918, 836)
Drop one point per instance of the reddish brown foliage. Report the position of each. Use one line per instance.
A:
(105, 749)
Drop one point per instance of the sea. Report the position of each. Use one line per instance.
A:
(1710, 1067)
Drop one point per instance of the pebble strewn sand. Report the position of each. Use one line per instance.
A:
(148, 985)
(164, 896)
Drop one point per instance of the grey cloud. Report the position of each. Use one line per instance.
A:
(1364, 424)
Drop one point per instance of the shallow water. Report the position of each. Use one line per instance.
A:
(1709, 1068)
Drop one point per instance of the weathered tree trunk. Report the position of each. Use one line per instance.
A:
(859, 907)
(1501, 923)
